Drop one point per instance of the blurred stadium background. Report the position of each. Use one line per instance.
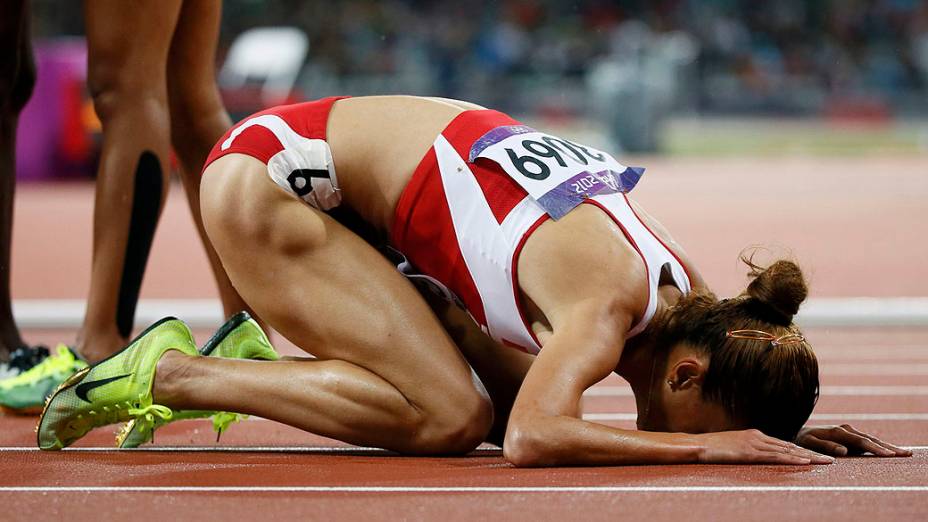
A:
(671, 76)
(832, 93)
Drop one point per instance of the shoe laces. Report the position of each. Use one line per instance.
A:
(144, 415)
(59, 364)
(148, 415)
(221, 422)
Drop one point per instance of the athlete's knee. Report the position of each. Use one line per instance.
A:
(192, 99)
(220, 199)
(234, 211)
(115, 84)
(461, 425)
(198, 117)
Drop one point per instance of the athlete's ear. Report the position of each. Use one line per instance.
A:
(686, 373)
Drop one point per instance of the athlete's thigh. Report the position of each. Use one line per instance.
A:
(324, 288)
(191, 71)
(128, 42)
(501, 369)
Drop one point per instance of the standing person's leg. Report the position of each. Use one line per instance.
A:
(17, 77)
(198, 117)
(128, 50)
(127, 56)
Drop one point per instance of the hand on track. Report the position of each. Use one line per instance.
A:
(753, 447)
(845, 440)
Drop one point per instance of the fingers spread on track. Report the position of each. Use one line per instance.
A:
(872, 444)
(826, 447)
(792, 452)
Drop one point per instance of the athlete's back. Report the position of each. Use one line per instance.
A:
(377, 142)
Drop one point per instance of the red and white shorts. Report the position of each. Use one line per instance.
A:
(291, 140)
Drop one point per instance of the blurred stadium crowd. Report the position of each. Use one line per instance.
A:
(791, 56)
(625, 63)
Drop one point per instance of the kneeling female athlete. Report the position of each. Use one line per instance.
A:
(533, 236)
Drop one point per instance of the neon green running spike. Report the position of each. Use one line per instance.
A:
(223, 419)
(27, 392)
(113, 390)
(239, 338)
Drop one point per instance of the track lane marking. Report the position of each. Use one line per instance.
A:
(855, 353)
(207, 313)
(859, 369)
(814, 417)
(270, 449)
(605, 416)
(853, 391)
(239, 449)
(458, 489)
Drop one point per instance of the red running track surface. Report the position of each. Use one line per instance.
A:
(263, 469)
(854, 233)
(823, 209)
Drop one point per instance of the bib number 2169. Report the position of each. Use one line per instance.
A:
(531, 157)
(556, 172)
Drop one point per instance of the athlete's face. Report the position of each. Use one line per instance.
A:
(676, 402)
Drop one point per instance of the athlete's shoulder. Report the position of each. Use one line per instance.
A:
(583, 257)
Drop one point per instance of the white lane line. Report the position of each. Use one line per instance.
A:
(855, 391)
(815, 416)
(69, 313)
(836, 369)
(240, 449)
(864, 311)
(860, 391)
(335, 450)
(872, 352)
(459, 489)
(207, 313)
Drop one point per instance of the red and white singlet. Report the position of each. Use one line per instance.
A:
(484, 186)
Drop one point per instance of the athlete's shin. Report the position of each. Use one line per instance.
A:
(126, 212)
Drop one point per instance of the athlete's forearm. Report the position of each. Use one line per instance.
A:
(535, 440)
(545, 426)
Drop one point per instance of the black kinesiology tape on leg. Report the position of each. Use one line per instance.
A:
(146, 201)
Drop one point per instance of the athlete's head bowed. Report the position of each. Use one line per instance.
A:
(735, 363)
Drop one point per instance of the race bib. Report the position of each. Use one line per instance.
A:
(306, 170)
(557, 173)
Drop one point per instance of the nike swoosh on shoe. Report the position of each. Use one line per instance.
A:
(84, 388)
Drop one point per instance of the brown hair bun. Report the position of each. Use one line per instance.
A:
(777, 290)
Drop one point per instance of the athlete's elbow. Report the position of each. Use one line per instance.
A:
(525, 446)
